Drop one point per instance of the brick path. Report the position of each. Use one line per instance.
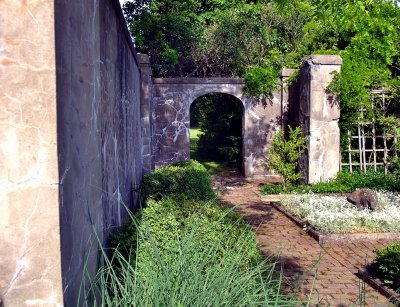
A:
(333, 279)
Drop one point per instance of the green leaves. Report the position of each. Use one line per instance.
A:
(182, 179)
(388, 260)
(256, 39)
(221, 125)
(346, 182)
(260, 80)
(285, 154)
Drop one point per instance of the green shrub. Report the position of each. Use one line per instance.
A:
(344, 183)
(371, 179)
(182, 251)
(394, 166)
(388, 260)
(168, 220)
(285, 154)
(188, 179)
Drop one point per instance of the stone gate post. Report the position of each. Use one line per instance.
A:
(319, 114)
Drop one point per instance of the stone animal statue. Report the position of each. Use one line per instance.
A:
(364, 198)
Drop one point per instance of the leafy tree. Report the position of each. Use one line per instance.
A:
(255, 39)
(214, 37)
(285, 154)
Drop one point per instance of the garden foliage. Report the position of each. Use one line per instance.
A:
(388, 260)
(344, 183)
(332, 214)
(186, 179)
(284, 155)
(190, 273)
(255, 39)
(183, 251)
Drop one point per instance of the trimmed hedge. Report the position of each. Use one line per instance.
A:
(168, 221)
(188, 179)
(344, 183)
(178, 198)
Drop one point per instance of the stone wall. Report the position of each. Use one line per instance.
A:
(171, 100)
(70, 144)
(305, 103)
(30, 266)
(99, 131)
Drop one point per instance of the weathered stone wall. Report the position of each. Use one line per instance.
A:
(319, 114)
(70, 143)
(171, 100)
(30, 266)
(99, 131)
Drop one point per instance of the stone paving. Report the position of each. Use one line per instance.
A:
(329, 271)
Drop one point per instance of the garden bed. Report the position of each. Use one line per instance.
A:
(327, 239)
(370, 275)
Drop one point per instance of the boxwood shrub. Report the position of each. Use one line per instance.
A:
(165, 222)
(188, 179)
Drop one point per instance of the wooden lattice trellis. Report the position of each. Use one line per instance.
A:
(371, 147)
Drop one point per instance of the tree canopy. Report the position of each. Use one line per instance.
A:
(256, 39)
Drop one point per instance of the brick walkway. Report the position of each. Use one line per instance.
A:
(330, 271)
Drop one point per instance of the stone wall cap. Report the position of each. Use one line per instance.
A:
(287, 72)
(322, 59)
(198, 81)
(143, 58)
(121, 18)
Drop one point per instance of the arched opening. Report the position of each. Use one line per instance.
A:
(216, 133)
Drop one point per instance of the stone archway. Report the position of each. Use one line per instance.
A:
(171, 100)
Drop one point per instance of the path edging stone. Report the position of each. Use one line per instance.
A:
(366, 275)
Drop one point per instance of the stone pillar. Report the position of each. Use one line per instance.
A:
(145, 111)
(30, 264)
(319, 115)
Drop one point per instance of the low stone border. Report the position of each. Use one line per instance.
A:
(336, 238)
(368, 274)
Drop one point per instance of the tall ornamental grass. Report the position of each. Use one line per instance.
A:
(196, 275)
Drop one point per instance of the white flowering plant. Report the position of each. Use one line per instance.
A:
(332, 214)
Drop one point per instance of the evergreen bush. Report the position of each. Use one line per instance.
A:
(285, 154)
(187, 179)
